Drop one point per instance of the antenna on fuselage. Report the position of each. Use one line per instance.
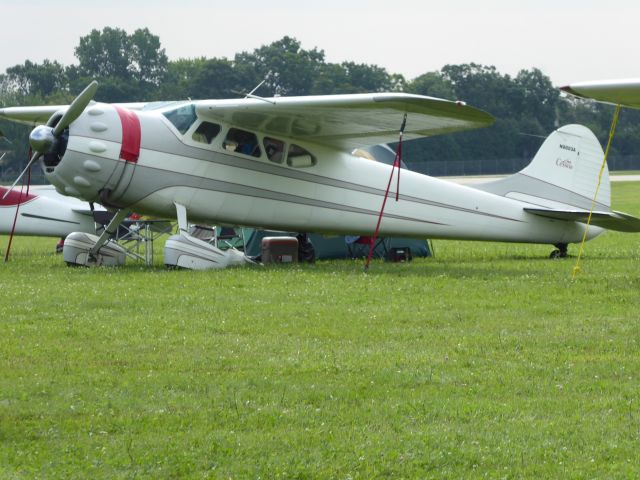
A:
(257, 97)
(251, 93)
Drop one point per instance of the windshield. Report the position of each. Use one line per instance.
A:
(182, 117)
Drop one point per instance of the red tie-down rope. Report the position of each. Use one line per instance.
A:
(397, 161)
(15, 218)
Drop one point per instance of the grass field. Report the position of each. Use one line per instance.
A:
(487, 361)
(624, 172)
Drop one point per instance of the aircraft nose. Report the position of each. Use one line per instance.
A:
(102, 143)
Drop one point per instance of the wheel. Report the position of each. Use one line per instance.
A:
(560, 252)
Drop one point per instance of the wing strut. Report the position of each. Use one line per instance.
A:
(396, 163)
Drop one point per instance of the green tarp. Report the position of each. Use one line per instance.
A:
(329, 247)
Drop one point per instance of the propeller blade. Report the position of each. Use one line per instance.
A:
(33, 160)
(76, 108)
(74, 111)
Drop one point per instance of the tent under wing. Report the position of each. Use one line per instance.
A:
(336, 247)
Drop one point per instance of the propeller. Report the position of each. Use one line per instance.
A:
(33, 159)
(44, 138)
(76, 108)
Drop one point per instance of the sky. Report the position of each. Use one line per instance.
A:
(569, 40)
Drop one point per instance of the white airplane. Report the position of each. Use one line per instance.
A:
(43, 212)
(286, 164)
(624, 92)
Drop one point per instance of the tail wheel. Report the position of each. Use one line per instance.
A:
(560, 252)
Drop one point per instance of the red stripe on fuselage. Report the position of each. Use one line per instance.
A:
(131, 134)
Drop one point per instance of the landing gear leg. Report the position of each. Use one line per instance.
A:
(560, 252)
(185, 251)
(108, 232)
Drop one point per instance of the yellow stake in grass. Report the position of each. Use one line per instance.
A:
(576, 269)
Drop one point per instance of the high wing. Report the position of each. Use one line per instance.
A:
(623, 92)
(340, 121)
(618, 221)
(346, 121)
(30, 115)
(40, 114)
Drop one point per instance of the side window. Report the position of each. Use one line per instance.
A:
(274, 149)
(298, 157)
(241, 141)
(206, 132)
(182, 118)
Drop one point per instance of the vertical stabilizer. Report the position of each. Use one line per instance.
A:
(563, 174)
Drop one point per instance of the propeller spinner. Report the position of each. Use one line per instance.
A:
(43, 139)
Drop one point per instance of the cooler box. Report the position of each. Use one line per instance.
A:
(279, 249)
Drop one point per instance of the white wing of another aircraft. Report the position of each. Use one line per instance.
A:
(618, 92)
(44, 212)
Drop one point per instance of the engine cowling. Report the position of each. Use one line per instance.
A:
(101, 152)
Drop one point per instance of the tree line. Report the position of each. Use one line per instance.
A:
(135, 67)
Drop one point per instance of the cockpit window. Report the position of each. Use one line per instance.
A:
(206, 132)
(274, 149)
(298, 157)
(241, 141)
(182, 117)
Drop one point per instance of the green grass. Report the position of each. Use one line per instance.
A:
(485, 361)
(625, 172)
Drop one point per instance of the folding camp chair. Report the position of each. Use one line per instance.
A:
(359, 246)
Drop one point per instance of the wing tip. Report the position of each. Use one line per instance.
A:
(571, 91)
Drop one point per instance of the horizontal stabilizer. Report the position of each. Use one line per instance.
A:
(618, 221)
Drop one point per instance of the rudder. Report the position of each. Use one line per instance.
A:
(563, 173)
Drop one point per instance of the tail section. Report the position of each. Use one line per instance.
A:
(562, 179)
(562, 175)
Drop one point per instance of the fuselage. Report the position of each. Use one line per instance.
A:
(149, 160)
